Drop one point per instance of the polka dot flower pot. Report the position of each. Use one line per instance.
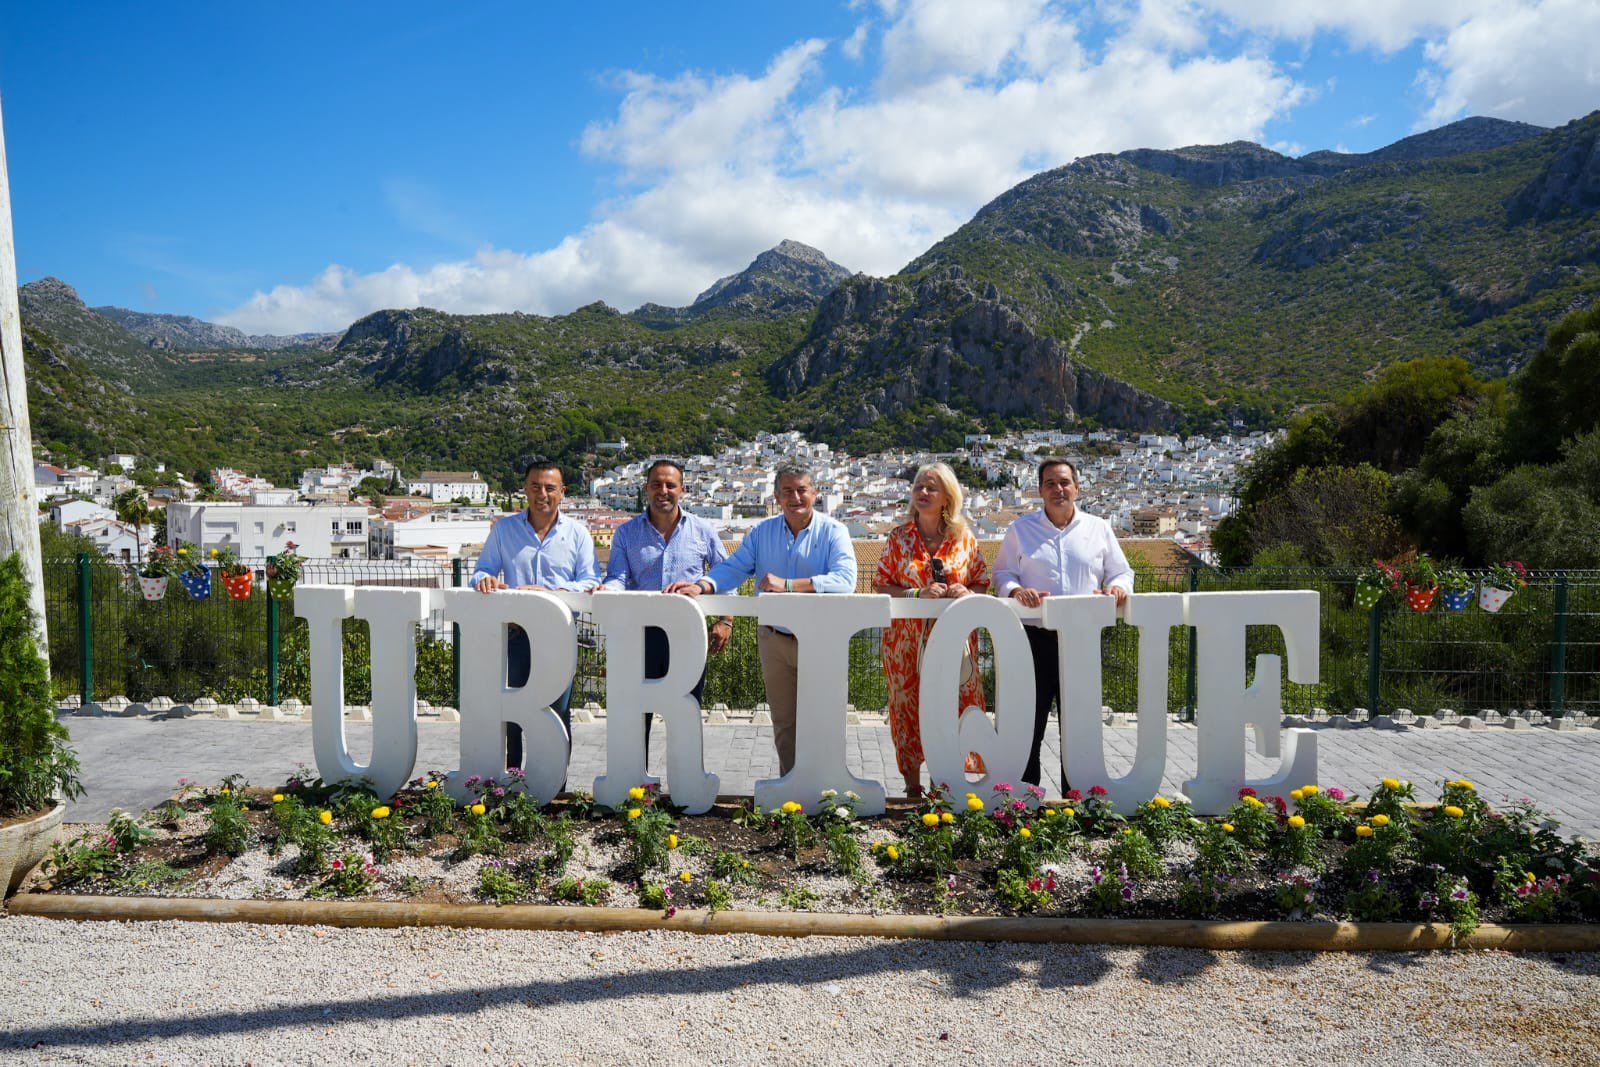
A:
(1492, 598)
(239, 585)
(1368, 595)
(280, 588)
(1456, 600)
(1420, 597)
(198, 583)
(153, 588)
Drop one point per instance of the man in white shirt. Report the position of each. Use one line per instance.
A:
(1059, 551)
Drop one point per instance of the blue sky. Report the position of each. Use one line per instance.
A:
(294, 170)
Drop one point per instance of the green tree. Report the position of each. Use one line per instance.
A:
(1332, 516)
(1544, 516)
(1464, 453)
(131, 507)
(35, 761)
(1557, 395)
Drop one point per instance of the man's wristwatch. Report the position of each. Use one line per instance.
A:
(705, 586)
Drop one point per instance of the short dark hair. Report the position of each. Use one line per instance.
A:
(1057, 461)
(650, 471)
(542, 463)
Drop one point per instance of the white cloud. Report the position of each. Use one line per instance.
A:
(1534, 62)
(964, 101)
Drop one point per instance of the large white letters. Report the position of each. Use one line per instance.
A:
(1224, 706)
(1082, 734)
(487, 700)
(949, 732)
(623, 618)
(823, 625)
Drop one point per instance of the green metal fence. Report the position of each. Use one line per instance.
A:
(1541, 651)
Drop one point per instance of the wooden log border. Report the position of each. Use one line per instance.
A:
(1174, 933)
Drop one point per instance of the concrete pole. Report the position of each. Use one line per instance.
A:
(19, 510)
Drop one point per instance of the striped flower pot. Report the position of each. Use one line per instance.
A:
(198, 583)
(1492, 598)
(239, 585)
(1456, 600)
(1368, 595)
(153, 588)
(1420, 597)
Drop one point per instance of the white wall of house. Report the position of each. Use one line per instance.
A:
(319, 531)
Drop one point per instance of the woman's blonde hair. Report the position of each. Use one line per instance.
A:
(950, 514)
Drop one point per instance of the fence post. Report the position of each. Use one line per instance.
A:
(85, 633)
(1558, 650)
(1374, 659)
(1190, 674)
(455, 634)
(272, 647)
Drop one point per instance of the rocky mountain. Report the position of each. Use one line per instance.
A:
(189, 334)
(52, 306)
(1193, 287)
(788, 278)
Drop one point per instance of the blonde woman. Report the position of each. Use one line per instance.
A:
(932, 555)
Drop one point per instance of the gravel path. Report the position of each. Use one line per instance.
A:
(191, 993)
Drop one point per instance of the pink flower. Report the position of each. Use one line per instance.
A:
(1002, 787)
(1035, 792)
(1097, 790)
(1019, 805)
(338, 864)
(672, 909)
(1035, 884)
(1074, 794)
(1334, 792)
(1247, 791)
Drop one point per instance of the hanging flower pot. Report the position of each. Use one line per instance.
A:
(239, 585)
(197, 582)
(283, 571)
(1368, 594)
(1456, 600)
(1420, 597)
(281, 588)
(153, 588)
(1492, 598)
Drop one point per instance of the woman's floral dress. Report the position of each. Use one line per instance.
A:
(906, 562)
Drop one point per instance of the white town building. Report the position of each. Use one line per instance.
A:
(259, 529)
(445, 486)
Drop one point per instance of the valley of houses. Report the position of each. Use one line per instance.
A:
(1150, 486)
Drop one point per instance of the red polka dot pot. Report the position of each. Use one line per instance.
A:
(1421, 597)
(239, 585)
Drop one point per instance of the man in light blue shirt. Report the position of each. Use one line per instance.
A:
(665, 545)
(798, 551)
(536, 549)
(1059, 551)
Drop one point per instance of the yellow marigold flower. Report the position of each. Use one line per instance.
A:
(1297, 794)
(672, 840)
(226, 791)
(1068, 812)
(1047, 812)
(790, 807)
(1127, 831)
(1296, 822)
(433, 783)
(894, 853)
(971, 795)
(1024, 833)
(1254, 802)
(277, 798)
(686, 877)
(876, 845)
(380, 812)
(1380, 819)
(1391, 783)
(1363, 830)
(1162, 802)
(1453, 811)
(478, 809)
(1468, 786)
(183, 551)
(1529, 877)
(945, 816)
(929, 819)
(636, 793)
(974, 804)
(213, 553)
(633, 813)
(1310, 790)
(1227, 827)
(326, 817)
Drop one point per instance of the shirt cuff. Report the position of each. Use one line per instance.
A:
(1003, 589)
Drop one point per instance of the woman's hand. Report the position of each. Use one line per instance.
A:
(955, 590)
(935, 591)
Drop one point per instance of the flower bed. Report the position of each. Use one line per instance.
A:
(1313, 855)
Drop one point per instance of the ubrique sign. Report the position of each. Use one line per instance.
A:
(1225, 707)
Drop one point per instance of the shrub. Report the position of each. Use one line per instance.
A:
(1137, 858)
(1372, 899)
(646, 826)
(498, 885)
(1166, 822)
(733, 869)
(227, 828)
(89, 857)
(35, 761)
(1022, 892)
(797, 898)
(590, 892)
(351, 875)
(1219, 853)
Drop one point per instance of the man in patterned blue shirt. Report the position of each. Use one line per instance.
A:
(536, 549)
(659, 547)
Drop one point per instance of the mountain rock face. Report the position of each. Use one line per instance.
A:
(788, 279)
(888, 344)
(186, 333)
(1570, 183)
(53, 306)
